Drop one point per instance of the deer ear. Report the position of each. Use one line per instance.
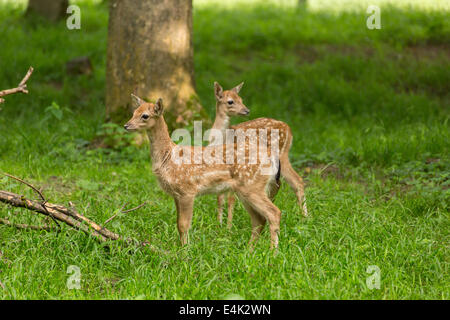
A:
(238, 87)
(218, 91)
(159, 108)
(136, 101)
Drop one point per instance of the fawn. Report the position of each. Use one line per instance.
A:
(229, 104)
(184, 181)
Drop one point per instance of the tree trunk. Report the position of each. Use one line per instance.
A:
(302, 4)
(51, 9)
(150, 53)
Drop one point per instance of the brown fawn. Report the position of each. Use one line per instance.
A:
(229, 104)
(184, 181)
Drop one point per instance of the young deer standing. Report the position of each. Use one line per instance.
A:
(184, 181)
(229, 104)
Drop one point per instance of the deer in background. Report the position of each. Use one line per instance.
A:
(184, 181)
(229, 104)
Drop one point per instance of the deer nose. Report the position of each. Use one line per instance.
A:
(246, 112)
(126, 126)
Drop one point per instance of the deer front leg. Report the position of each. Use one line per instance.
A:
(220, 201)
(185, 208)
(231, 201)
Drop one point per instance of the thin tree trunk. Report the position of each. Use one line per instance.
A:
(51, 9)
(150, 53)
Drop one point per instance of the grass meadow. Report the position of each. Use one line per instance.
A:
(369, 110)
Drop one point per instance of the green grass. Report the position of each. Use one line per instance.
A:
(369, 110)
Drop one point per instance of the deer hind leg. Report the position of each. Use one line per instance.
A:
(185, 207)
(295, 181)
(220, 201)
(231, 201)
(258, 223)
(264, 207)
(272, 189)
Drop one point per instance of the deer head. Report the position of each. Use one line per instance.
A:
(145, 115)
(229, 101)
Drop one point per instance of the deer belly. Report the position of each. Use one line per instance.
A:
(213, 181)
(214, 188)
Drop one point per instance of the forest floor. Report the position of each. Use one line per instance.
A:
(369, 111)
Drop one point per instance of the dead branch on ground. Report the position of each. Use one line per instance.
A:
(63, 214)
(124, 211)
(22, 87)
(44, 201)
(25, 226)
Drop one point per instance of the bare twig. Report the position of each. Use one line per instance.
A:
(25, 226)
(44, 201)
(124, 211)
(135, 208)
(25, 79)
(115, 215)
(26, 183)
(22, 87)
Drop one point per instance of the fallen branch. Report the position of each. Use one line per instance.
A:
(44, 201)
(120, 211)
(60, 213)
(26, 183)
(67, 215)
(22, 87)
(25, 226)
(135, 208)
(123, 211)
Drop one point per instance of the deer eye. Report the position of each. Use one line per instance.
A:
(145, 116)
(230, 102)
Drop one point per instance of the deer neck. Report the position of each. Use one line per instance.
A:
(160, 143)
(221, 122)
